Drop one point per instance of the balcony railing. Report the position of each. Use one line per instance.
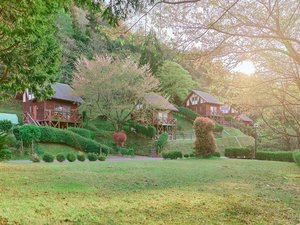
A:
(72, 116)
(164, 121)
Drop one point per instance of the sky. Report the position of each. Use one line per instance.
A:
(246, 67)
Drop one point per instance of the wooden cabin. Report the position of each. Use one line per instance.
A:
(205, 105)
(162, 115)
(60, 111)
(243, 118)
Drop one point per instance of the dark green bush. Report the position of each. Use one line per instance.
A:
(60, 157)
(16, 132)
(216, 154)
(126, 151)
(81, 157)
(30, 133)
(102, 157)
(5, 125)
(186, 155)
(187, 113)
(239, 152)
(192, 155)
(286, 156)
(83, 132)
(48, 157)
(172, 155)
(296, 156)
(5, 154)
(71, 157)
(54, 135)
(92, 156)
(162, 141)
(11, 140)
(148, 131)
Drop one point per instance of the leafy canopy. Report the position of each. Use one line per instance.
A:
(175, 81)
(112, 88)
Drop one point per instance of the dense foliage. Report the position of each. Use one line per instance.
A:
(148, 131)
(3, 139)
(296, 156)
(175, 81)
(162, 141)
(5, 154)
(30, 134)
(83, 132)
(205, 141)
(187, 113)
(126, 151)
(239, 152)
(5, 125)
(286, 156)
(172, 155)
(54, 135)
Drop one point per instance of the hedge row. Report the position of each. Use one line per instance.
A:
(187, 113)
(83, 132)
(148, 131)
(285, 156)
(296, 156)
(55, 135)
(239, 152)
(172, 155)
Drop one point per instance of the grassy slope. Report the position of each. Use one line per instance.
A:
(219, 191)
(104, 132)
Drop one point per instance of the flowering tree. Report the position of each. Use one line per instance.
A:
(112, 88)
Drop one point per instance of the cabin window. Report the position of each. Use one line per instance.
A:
(194, 100)
(163, 115)
(62, 108)
(213, 110)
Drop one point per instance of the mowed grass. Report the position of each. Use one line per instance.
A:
(220, 191)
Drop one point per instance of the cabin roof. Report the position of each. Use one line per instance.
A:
(65, 92)
(207, 97)
(159, 102)
(245, 118)
(13, 118)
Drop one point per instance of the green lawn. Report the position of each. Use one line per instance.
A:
(220, 191)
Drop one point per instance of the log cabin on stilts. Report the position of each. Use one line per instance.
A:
(61, 111)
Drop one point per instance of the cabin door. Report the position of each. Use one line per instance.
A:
(34, 112)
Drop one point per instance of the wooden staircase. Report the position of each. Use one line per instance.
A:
(153, 153)
(28, 119)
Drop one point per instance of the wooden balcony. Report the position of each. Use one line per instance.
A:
(69, 117)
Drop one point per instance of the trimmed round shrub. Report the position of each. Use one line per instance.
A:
(5, 154)
(60, 157)
(186, 155)
(205, 141)
(35, 158)
(92, 156)
(81, 157)
(71, 157)
(48, 157)
(102, 157)
(126, 151)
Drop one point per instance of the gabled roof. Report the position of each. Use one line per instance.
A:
(245, 118)
(207, 97)
(65, 92)
(159, 102)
